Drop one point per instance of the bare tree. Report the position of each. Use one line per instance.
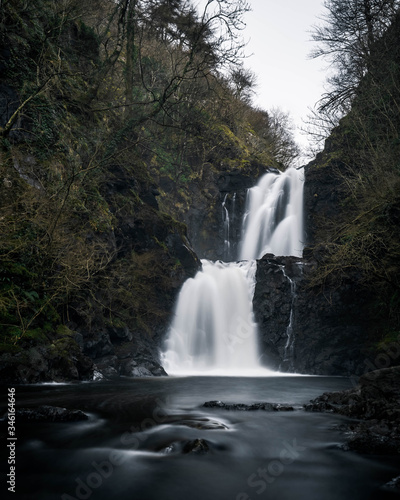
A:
(346, 40)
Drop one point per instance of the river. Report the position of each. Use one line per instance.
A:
(132, 445)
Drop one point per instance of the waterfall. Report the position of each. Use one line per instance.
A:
(273, 222)
(213, 330)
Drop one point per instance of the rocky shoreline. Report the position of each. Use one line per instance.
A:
(375, 406)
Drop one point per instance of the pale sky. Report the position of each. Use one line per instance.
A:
(279, 39)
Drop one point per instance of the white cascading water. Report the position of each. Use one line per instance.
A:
(227, 236)
(228, 216)
(213, 331)
(274, 216)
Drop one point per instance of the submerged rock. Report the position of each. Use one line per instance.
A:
(245, 407)
(197, 447)
(393, 485)
(200, 423)
(49, 414)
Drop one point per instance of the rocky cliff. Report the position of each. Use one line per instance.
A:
(304, 329)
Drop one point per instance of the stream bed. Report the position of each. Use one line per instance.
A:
(140, 442)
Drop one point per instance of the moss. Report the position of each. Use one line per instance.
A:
(37, 335)
(6, 347)
(115, 322)
(64, 331)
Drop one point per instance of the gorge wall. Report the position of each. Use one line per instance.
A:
(303, 329)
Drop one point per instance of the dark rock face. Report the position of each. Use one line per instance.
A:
(61, 361)
(332, 336)
(303, 330)
(207, 217)
(272, 304)
(245, 407)
(218, 194)
(322, 194)
(376, 402)
(206, 228)
(132, 355)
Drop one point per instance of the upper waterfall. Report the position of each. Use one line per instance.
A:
(273, 222)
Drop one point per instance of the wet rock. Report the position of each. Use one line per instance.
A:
(140, 371)
(49, 414)
(393, 485)
(196, 447)
(60, 361)
(376, 402)
(374, 438)
(97, 344)
(245, 407)
(205, 216)
(141, 368)
(327, 330)
(199, 423)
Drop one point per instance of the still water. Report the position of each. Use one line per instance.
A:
(132, 445)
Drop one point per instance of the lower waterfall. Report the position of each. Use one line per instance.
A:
(213, 331)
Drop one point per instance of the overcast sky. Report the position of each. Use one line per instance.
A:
(279, 39)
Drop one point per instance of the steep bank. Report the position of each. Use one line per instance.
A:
(352, 199)
(111, 320)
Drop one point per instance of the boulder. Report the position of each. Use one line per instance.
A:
(376, 403)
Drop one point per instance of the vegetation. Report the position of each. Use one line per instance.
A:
(98, 100)
(362, 241)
